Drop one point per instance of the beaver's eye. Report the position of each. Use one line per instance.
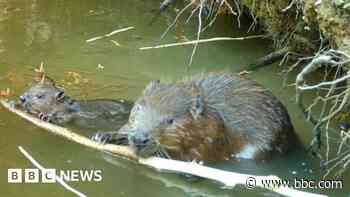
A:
(170, 121)
(40, 96)
(59, 95)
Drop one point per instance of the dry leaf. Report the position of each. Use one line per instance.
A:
(40, 72)
(5, 93)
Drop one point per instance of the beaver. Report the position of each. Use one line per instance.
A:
(47, 101)
(209, 117)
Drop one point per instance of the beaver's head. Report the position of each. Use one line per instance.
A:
(166, 121)
(47, 101)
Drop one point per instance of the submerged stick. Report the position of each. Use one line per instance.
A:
(109, 34)
(267, 60)
(229, 179)
(42, 169)
(193, 42)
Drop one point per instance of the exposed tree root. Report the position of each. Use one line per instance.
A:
(207, 12)
(333, 96)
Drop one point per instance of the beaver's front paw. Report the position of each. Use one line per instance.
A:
(102, 138)
(13, 104)
(110, 138)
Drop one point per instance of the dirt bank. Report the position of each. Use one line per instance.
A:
(304, 26)
(317, 33)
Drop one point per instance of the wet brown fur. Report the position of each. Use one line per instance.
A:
(235, 111)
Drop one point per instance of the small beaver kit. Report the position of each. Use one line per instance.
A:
(209, 118)
(47, 101)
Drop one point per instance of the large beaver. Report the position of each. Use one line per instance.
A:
(209, 118)
(49, 103)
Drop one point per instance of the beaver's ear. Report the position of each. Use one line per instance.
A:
(49, 81)
(197, 108)
(151, 86)
(45, 80)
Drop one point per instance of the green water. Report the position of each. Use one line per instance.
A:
(54, 32)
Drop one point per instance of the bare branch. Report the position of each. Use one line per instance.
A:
(57, 178)
(109, 34)
(338, 100)
(175, 20)
(201, 41)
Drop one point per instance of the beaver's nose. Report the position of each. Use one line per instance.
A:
(140, 139)
(22, 99)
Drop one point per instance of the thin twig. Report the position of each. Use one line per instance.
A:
(325, 83)
(42, 169)
(198, 32)
(175, 20)
(238, 7)
(192, 13)
(216, 15)
(109, 34)
(201, 41)
(289, 6)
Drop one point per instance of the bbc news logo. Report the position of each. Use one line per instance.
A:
(18, 175)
